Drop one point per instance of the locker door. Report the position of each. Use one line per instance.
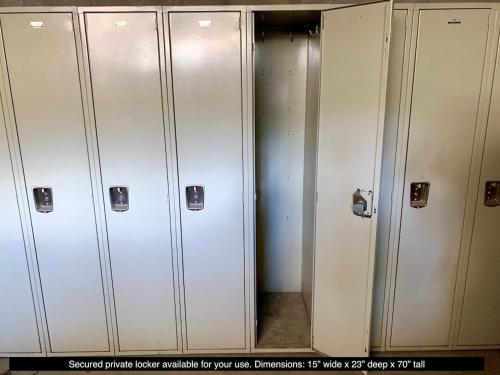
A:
(18, 324)
(480, 323)
(394, 87)
(446, 86)
(206, 70)
(125, 74)
(354, 59)
(44, 80)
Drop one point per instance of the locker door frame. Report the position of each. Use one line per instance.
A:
(400, 169)
(101, 194)
(393, 215)
(7, 124)
(251, 196)
(177, 197)
(251, 95)
(23, 198)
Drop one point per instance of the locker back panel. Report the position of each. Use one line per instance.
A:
(206, 69)
(43, 72)
(447, 79)
(480, 323)
(18, 325)
(125, 73)
(281, 67)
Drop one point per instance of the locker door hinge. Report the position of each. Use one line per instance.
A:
(322, 21)
(406, 21)
(386, 42)
(239, 21)
(72, 25)
(156, 23)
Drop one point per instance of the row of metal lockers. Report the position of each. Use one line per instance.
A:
(127, 180)
(437, 284)
(63, 147)
(127, 177)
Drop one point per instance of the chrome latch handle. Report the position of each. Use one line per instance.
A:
(362, 201)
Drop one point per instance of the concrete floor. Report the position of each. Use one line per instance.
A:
(282, 321)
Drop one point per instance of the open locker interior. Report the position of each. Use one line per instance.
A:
(286, 73)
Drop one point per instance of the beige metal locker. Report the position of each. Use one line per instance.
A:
(449, 58)
(337, 59)
(354, 61)
(41, 57)
(124, 60)
(206, 62)
(392, 114)
(19, 331)
(480, 322)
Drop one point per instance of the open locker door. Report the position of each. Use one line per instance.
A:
(354, 58)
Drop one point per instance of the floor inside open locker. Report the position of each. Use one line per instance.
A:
(283, 321)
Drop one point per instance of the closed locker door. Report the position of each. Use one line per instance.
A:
(446, 86)
(394, 87)
(480, 322)
(125, 72)
(18, 324)
(206, 70)
(43, 71)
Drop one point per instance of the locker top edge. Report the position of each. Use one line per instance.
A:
(39, 9)
(110, 8)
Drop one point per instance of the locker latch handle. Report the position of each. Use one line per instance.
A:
(419, 194)
(492, 194)
(44, 201)
(118, 196)
(195, 197)
(362, 201)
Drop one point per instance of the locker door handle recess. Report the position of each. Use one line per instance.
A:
(419, 194)
(362, 201)
(492, 194)
(195, 197)
(44, 202)
(118, 196)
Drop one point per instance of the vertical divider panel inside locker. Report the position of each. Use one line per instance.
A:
(41, 57)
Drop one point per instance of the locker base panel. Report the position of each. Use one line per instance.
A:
(283, 321)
